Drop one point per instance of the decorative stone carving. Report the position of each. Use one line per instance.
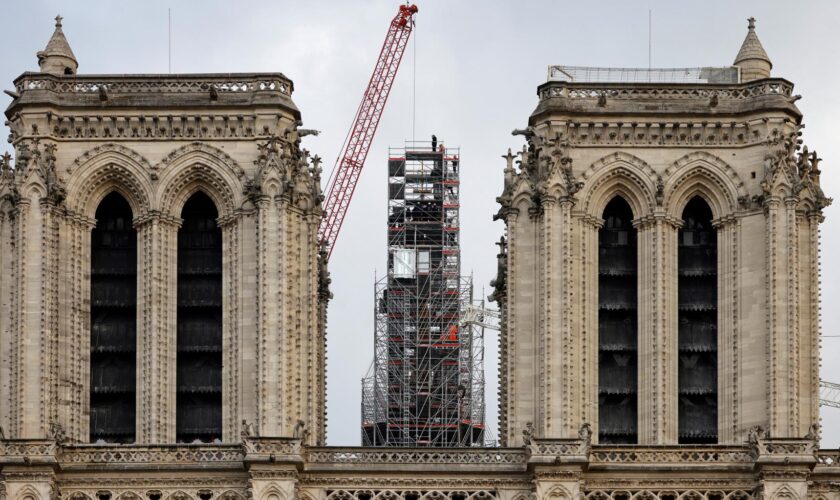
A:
(791, 168)
(324, 279)
(545, 173)
(248, 430)
(499, 284)
(56, 433)
(36, 164)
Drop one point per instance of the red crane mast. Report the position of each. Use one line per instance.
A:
(350, 161)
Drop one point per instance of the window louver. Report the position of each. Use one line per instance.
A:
(199, 341)
(697, 281)
(617, 326)
(113, 323)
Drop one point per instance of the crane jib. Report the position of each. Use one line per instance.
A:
(355, 149)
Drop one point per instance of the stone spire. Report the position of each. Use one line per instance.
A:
(57, 57)
(752, 59)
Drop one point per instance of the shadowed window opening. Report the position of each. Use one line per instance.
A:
(199, 365)
(113, 322)
(617, 326)
(697, 282)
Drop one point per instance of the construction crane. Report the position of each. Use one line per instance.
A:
(477, 314)
(353, 153)
(829, 394)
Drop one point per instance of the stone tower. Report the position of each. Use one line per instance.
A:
(192, 338)
(669, 234)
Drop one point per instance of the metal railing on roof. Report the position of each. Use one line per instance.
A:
(725, 75)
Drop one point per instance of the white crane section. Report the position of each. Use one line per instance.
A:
(480, 316)
(829, 394)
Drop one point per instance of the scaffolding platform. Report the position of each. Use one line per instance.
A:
(426, 384)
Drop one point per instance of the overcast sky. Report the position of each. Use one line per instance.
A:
(478, 64)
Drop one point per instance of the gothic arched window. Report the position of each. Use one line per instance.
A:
(617, 326)
(697, 283)
(199, 364)
(113, 322)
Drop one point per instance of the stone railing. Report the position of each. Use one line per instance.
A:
(154, 84)
(828, 458)
(668, 91)
(28, 451)
(670, 454)
(259, 449)
(557, 447)
(550, 451)
(443, 456)
(786, 446)
(120, 456)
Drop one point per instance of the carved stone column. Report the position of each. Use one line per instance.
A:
(157, 282)
(6, 262)
(810, 313)
(557, 467)
(232, 387)
(19, 215)
(74, 327)
(34, 350)
(273, 467)
(728, 328)
(554, 383)
(658, 329)
(30, 469)
(588, 305)
(523, 373)
(312, 352)
(784, 467)
(270, 241)
(782, 314)
(37, 483)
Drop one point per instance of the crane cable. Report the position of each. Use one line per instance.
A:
(414, 85)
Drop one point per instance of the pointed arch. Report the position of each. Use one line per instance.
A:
(79, 495)
(784, 493)
(619, 174)
(179, 495)
(697, 304)
(617, 325)
(28, 492)
(107, 168)
(199, 323)
(705, 175)
(522, 197)
(128, 495)
(113, 322)
(199, 167)
(274, 492)
(558, 492)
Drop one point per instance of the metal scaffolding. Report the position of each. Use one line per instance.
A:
(426, 384)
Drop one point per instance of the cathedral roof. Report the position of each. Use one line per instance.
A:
(752, 48)
(57, 47)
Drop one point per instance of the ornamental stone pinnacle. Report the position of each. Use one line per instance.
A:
(57, 57)
(752, 58)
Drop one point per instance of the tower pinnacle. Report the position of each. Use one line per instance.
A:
(57, 57)
(752, 59)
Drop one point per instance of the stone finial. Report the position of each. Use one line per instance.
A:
(57, 58)
(752, 59)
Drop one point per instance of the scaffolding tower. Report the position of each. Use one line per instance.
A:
(426, 384)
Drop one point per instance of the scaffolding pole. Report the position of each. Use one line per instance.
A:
(425, 386)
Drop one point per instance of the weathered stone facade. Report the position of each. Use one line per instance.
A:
(156, 140)
(657, 146)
